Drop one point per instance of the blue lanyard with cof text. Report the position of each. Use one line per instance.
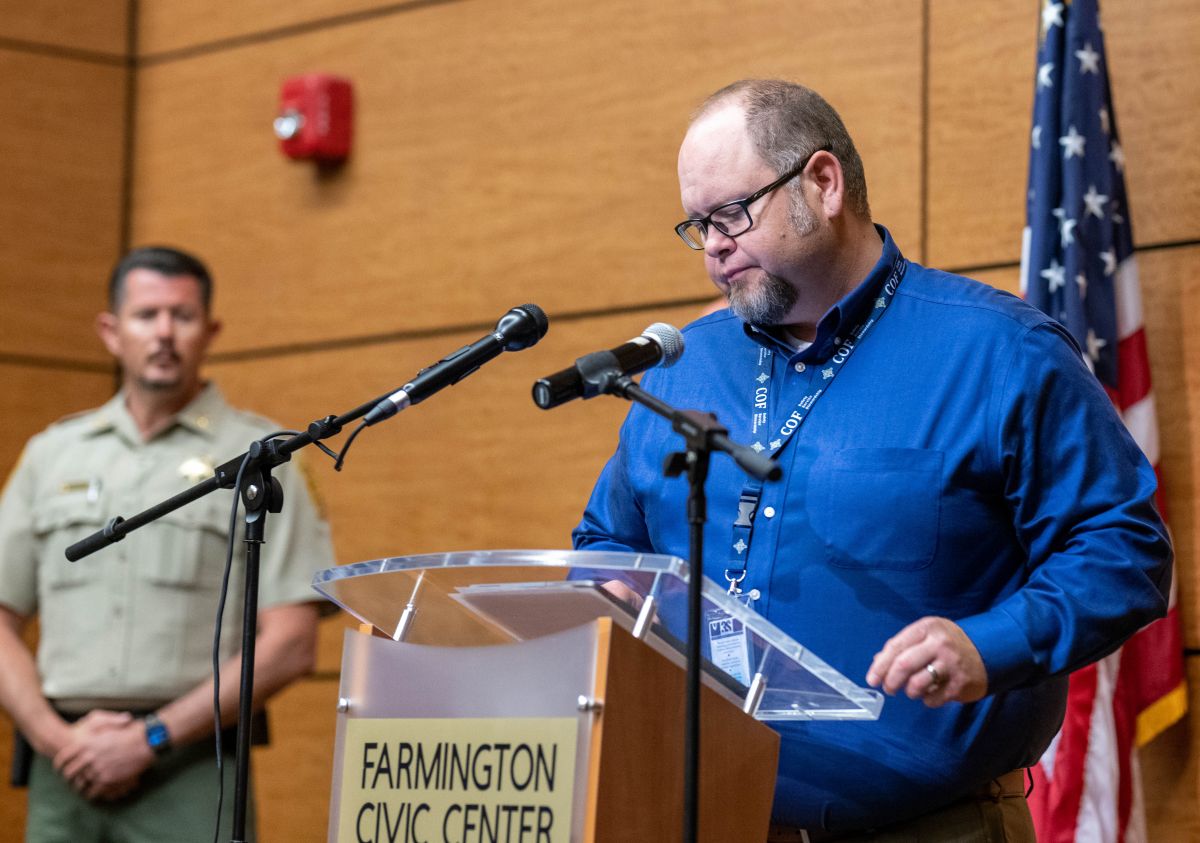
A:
(743, 526)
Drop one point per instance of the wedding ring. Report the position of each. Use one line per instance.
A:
(933, 673)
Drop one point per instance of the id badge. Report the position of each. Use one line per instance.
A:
(729, 645)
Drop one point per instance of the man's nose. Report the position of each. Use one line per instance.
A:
(717, 242)
(164, 324)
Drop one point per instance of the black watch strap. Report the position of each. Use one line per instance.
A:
(157, 736)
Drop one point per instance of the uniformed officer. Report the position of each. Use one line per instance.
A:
(118, 707)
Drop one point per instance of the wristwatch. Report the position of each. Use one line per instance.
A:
(157, 736)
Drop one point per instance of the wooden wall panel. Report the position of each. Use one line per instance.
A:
(93, 25)
(1171, 773)
(982, 60)
(496, 160)
(1171, 293)
(293, 776)
(1156, 86)
(168, 25)
(32, 397)
(60, 164)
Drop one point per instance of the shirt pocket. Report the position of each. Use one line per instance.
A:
(877, 507)
(186, 548)
(58, 524)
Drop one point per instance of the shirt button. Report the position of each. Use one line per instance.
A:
(800, 367)
(769, 511)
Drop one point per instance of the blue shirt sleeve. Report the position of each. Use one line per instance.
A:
(1082, 498)
(614, 519)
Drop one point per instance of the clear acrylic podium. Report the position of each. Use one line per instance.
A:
(515, 637)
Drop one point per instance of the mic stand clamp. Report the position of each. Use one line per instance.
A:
(702, 435)
(600, 371)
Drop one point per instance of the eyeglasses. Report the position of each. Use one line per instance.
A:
(733, 219)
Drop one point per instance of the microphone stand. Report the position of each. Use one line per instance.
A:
(261, 493)
(702, 435)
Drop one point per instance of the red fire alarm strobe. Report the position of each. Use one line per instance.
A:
(315, 115)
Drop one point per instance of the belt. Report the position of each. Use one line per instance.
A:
(1008, 786)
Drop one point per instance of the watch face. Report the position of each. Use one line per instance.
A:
(156, 735)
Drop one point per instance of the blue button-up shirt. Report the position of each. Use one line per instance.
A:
(963, 463)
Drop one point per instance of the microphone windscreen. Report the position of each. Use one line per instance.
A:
(669, 339)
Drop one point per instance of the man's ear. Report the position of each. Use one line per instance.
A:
(106, 328)
(826, 173)
(214, 328)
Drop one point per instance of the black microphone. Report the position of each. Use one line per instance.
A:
(520, 328)
(659, 345)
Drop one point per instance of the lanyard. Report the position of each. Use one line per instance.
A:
(778, 436)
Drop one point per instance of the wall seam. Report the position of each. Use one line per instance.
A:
(290, 31)
(16, 45)
(129, 119)
(923, 199)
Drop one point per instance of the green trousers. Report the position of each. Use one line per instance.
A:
(175, 802)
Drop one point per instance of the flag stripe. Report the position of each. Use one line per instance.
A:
(1134, 366)
(1128, 298)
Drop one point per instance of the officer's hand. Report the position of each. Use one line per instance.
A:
(104, 762)
(98, 720)
(932, 660)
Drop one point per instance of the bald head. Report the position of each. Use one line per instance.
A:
(785, 122)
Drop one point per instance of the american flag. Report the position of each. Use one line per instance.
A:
(1077, 265)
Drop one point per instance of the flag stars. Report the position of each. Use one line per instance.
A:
(1066, 227)
(1105, 120)
(1093, 202)
(1116, 213)
(1072, 143)
(1110, 261)
(1081, 283)
(1035, 137)
(1051, 15)
(1043, 75)
(1117, 156)
(1055, 276)
(1067, 232)
(1089, 59)
(1094, 345)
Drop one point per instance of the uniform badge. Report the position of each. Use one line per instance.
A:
(195, 469)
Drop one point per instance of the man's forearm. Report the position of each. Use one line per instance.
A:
(21, 690)
(284, 650)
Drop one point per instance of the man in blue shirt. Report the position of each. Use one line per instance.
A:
(963, 519)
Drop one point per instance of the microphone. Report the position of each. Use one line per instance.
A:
(520, 328)
(659, 345)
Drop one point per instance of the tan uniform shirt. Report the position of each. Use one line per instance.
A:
(134, 622)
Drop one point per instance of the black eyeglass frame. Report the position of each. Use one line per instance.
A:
(704, 222)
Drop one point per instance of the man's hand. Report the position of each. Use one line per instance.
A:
(623, 592)
(107, 753)
(932, 660)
